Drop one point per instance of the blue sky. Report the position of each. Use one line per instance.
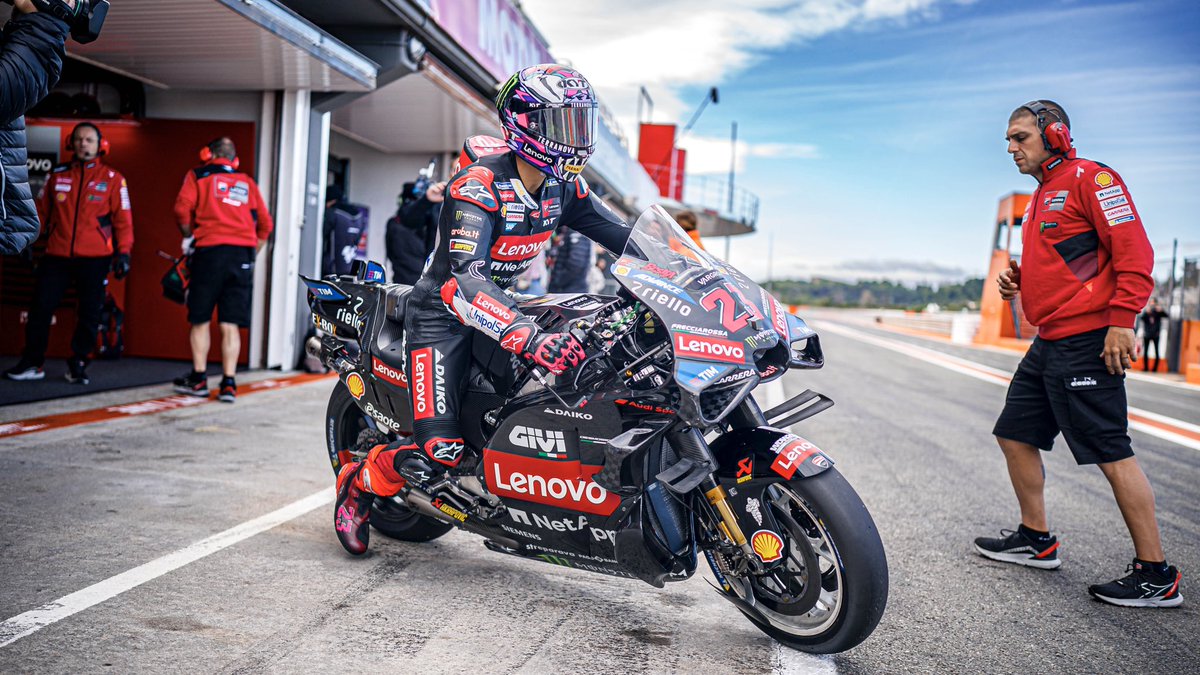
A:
(873, 130)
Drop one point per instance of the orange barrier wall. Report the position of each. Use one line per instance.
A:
(1189, 354)
(153, 155)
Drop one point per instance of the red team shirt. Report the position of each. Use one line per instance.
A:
(1086, 262)
(85, 206)
(223, 206)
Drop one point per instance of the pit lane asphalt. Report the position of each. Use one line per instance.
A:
(85, 503)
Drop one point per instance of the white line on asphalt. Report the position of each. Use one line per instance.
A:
(989, 374)
(35, 619)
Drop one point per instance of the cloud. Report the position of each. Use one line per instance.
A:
(710, 154)
(621, 45)
(906, 272)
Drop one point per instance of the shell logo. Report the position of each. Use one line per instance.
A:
(767, 546)
(1104, 179)
(356, 385)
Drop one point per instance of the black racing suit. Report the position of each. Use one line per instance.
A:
(490, 230)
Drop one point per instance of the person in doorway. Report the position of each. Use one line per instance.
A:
(1151, 320)
(342, 231)
(687, 220)
(222, 208)
(411, 232)
(1084, 274)
(89, 232)
(500, 212)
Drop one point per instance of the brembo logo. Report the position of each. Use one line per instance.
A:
(709, 349)
(563, 484)
(422, 391)
(549, 442)
(388, 373)
(519, 248)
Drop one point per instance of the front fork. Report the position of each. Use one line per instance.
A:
(747, 415)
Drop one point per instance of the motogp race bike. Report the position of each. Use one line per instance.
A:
(650, 455)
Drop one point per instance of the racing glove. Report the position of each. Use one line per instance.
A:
(120, 266)
(556, 352)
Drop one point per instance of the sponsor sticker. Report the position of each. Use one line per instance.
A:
(468, 217)
(550, 444)
(745, 470)
(422, 389)
(1055, 201)
(356, 385)
(463, 246)
(621, 270)
(387, 373)
(465, 233)
(1119, 200)
(1118, 221)
(1109, 192)
(767, 545)
(554, 483)
(791, 451)
(708, 348)
(494, 307)
(512, 247)
(1118, 212)
(1104, 179)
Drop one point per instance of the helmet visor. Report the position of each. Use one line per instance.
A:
(573, 126)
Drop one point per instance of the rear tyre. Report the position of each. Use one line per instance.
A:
(831, 539)
(347, 429)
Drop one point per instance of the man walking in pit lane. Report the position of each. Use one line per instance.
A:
(499, 213)
(223, 209)
(1084, 275)
(89, 232)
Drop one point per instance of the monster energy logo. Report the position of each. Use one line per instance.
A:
(507, 90)
(555, 560)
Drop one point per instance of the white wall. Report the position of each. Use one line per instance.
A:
(375, 182)
(203, 105)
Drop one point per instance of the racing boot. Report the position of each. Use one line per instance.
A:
(352, 509)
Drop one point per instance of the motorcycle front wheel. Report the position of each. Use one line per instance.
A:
(347, 428)
(832, 590)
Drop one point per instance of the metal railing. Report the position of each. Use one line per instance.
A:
(714, 193)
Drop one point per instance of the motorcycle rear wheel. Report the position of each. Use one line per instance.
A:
(345, 426)
(825, 514)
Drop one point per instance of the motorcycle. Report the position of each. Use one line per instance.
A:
(649, 455)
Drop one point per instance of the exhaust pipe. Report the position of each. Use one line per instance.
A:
(422, 503)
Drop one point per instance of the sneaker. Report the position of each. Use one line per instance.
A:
(24, 371)
(1142, 587)
(352, 511)
(76, 371)
(228, 391)
(193, 383)
(1014, 547)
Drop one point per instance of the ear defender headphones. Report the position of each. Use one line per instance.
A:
(206, 155)
(1056, 137)
(69, 144)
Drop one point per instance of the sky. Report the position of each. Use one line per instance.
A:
(873, 130)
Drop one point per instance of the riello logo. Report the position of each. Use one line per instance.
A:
(567, 485)
(709, 349)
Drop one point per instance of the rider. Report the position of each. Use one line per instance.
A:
(499, 213)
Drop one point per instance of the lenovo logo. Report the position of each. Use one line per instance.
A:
(388, 373)
(710, 349)
(563, 484)
(519, 248)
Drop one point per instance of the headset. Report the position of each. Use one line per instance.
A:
(1056, 137)
(206, 154)
(69, 144)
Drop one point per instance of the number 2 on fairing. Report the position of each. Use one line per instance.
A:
(731, 319)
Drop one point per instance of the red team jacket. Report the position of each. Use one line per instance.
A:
(1085, 262)
(83, 206)
(223, 206)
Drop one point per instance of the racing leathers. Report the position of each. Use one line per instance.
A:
(490, 230)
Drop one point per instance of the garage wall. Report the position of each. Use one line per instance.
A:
(204, 105)
(375, 181)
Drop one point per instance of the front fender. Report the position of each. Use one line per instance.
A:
(744, 455)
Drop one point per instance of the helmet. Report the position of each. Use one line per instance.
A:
(549, 117)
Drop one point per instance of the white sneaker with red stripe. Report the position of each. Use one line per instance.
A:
(1013, 546)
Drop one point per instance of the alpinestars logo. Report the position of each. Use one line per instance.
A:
(549, 444)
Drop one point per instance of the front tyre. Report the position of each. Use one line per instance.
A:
(347, 430)
(832, 542)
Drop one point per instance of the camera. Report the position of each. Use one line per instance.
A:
(85, 20)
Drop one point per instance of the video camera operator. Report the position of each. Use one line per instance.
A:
(411, 232)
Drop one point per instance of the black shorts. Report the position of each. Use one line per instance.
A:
(1063, 385)
(222, 277)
